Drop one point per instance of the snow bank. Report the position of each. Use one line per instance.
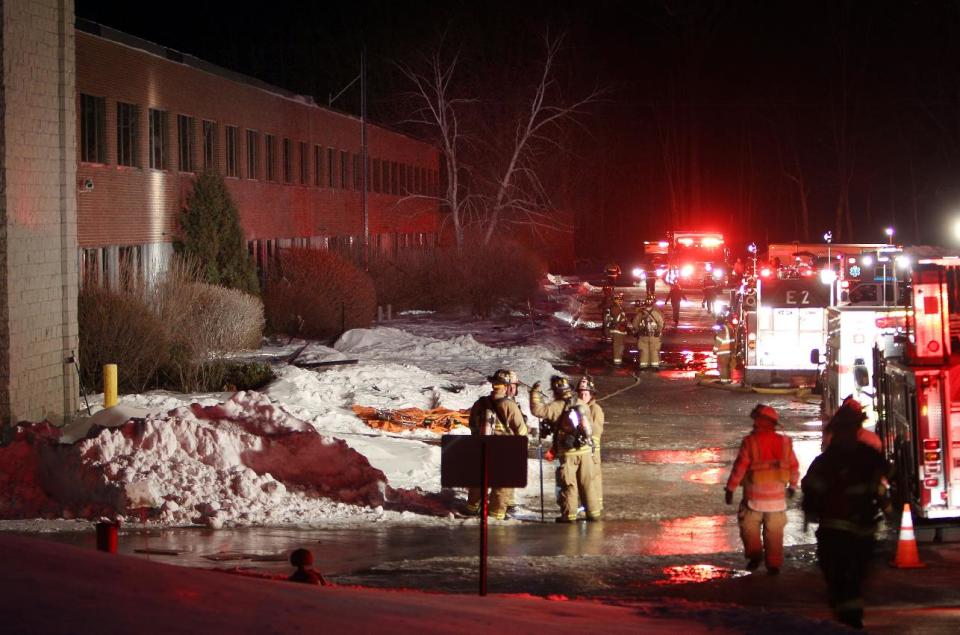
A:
(293, 453)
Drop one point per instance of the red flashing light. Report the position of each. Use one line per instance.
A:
(930, 482)
(933, 346)
(765, 272)
(931, 444)
(735, 321)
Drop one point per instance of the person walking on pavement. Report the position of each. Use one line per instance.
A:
(709, 295)
(724, 345)
(675, 296)
(648, 326)
(845, 492)
(587, 393)
(569, 421)
(618, 328)
(769, 471)
(496, 414)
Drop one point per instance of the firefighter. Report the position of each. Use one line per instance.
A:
(496, 414)
(725, 349)
(587, 393)
(648, 326)
(850, 408)
(618, 328)
(769, 472)
(569, 421)
(709, 294)
(675, 296)
(844, 491)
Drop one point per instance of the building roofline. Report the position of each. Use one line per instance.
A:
(172, 55)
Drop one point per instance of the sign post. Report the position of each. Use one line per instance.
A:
(483, 462)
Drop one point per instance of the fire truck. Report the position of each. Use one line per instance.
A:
(698, 258)
(918, 394)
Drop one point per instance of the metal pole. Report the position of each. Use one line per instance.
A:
(483, 519)
(363, 155)
(540, 455)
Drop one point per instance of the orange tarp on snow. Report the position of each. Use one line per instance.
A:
(439, 420)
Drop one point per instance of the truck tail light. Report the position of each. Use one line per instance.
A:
(931, 343)
(930, 482)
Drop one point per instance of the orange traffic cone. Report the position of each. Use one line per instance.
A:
(907, 556)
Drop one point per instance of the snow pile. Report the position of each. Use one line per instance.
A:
(293, 453)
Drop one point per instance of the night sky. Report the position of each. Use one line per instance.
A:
(725, 115)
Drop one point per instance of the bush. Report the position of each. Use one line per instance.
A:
(165, 334)
(480, 278)
(119, 328)
(317, 294)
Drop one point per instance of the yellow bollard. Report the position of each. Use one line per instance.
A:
(109, 385)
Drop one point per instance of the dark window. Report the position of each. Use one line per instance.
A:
(233, 150)
(270, 162)
(318, 165)
(304, 164)
(385, 179)
(344, 169)
(185, 138)
(357, 173)
(287, 161)
(93, 121)
(394, 178)
(331, 153)
(126, 134)
(376, 175)
(253, 154)
(158, 139)
(403, 178)
(209, 145)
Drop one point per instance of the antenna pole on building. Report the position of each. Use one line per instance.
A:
(363, 156)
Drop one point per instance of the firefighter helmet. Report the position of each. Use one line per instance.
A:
(560, 386)
(586, 383)
(765, 411)
(503, 377)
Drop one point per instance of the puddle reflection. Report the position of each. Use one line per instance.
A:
(697, 573)
(693, 534)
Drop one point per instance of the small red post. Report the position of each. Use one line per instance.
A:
(107, 536)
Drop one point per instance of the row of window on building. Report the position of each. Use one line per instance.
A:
(124, 267)
(268, 158)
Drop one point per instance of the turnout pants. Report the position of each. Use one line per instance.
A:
(843, 557)
(726, 362)
(577, 480)
(497, 503)
(648, 351)
(618, 338)
(769, 525)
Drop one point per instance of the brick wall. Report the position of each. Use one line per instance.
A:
(136, 205)
(38, 201)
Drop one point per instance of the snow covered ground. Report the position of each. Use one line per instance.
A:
(293, 453)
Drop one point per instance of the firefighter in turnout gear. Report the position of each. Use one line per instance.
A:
(648, 326)
(568, 419)
(587, 393)
(769, 471)
(618, 328)
(496, 414)
(724, 345)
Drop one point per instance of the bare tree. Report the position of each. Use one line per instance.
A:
(520, 192)
(439, 111)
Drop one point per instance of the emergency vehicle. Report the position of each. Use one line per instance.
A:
(852, 334)
(784, 319)
(654, 262)
(918, 394)
(698, 258)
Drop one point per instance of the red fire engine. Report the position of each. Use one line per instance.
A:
(918, 394)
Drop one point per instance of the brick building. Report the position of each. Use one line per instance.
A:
(100, 136)
(149, 118)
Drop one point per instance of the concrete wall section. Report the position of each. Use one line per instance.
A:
(39, 210)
